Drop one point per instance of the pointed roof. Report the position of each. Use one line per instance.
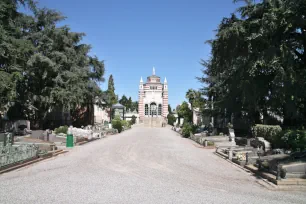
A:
(165, 81)
(118, 105)
(141, 81)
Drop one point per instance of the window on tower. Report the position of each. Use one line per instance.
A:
(153, 87)
(146, 109)
(159, 109)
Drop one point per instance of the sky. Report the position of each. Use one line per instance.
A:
(132, 36)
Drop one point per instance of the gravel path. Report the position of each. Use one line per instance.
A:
(142, 165)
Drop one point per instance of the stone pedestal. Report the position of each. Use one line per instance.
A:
(230, 154)
(248, 142)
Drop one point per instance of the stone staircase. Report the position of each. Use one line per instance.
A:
(153, 122)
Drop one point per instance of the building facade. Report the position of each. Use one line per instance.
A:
(153, 98)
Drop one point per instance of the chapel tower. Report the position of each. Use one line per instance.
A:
(153, 98)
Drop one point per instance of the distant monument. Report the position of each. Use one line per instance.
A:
(153, 97)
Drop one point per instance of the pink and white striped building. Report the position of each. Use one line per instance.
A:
(153, 97)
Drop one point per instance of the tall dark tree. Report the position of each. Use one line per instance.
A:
(195, 99)
(15, 48)
(129, 104)
(185, 112)
(134, 106)
(258, 63)
(124, 101)
(169, 109)
(44, 67)
(112, 98)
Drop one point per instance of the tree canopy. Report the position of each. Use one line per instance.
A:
(129, 103)
(44, 66)
(112, 97)
(169, 109)
(257, 65)
(185, 112)
(195, 98)
(124, 101)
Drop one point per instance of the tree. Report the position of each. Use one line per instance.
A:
(14, 48)
(112, 98)
(185, 112)
(135, 106)
(258, 61)
(124, 101)
(67, 76)
(191, 96)
(169, 109)
(171, 119)
(129, 104)
(195, 99)
(133, 120)
(46, 66)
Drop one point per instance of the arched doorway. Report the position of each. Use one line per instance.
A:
(153, 109)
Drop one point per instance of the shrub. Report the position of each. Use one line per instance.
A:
(133, 121)
(61, 129)
(187, 129)
(171, 119)
(117, 123)
(126, 124)
(269, 132)
(210, 143)
(130, 122)
(291, 139)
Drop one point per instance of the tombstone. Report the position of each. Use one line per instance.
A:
(21, 127)
(230, 154)
(214, 131)
(181, 121)
(37, 134)
(248, 142)
(8, 139)
(266, 144)
(232, 135)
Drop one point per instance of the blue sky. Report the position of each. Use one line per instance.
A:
(132, 36)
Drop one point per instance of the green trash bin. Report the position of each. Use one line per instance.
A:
(69, 140)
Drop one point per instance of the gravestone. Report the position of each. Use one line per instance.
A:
(230, 154)
(266, 144)
(181, 121)
(232, 135)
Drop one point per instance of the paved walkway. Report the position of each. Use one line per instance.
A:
(142, 165)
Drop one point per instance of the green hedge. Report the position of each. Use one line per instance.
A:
(171, 119)
(117, 124)
(61, 129)
(187, 129)
(269, 132)
(292, 139)
(210, 143)
(133, 121)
